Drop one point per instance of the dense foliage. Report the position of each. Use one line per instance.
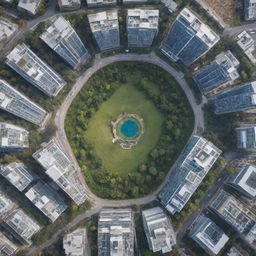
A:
(177, 128)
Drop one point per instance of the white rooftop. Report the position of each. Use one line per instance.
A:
(12, 136)
(75, 243)
(29, 5)
(101, 21)
(143, 18)
(7, 29)
(204, 32)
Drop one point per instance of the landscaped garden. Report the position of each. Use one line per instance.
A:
(152, 109)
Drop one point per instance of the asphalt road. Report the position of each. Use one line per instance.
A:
(236, 30)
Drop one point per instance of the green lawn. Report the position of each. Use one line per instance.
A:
(99, 134)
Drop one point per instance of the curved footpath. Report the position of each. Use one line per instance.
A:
(99, 203)
(100, 63)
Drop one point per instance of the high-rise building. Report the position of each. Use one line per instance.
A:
(7, 247)
(46, 200)
(61, 170)
(13, 137)
(69, 5)
(30, 7)
(17, 104)
(142, 27)
(27, 64)
(188, 38)
(249, 9)
(244, 180)
(22, 226)
(96, 3)
(241, 98)
(158, 229)
(208, 235)
(105, 29)
(194, 163)
(19, 175)
(237, 214)
(63, 39)
(7, 30)
(220, 72)
(246, 137)
(75, 243)
(16, 221)
(247, 45)
(116, 232)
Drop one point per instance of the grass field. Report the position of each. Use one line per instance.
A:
(99, 134)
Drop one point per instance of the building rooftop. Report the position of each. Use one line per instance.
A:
(75, 243)
(237, 214)
(246, 137)
(7, 29)
(93, 3)
(170, 4)
(158, 229)
(63, 39)
(250, 9)
(240, 98)
(61, 170)
(196, 160)
(17, 104)
(116, 232)
(142, 27)
(221, 71)
(188, 38)
(7, 247)
(26, 63)
(23, 226)
(208, 235)
(6, 205)
(17, 174)
(13, 137)
(237, 251)
(142, 18)
(46, 200)
(245, 179)
(30, 6)
(69, 4)
(247, 45)
(102, 21)
(105, 29)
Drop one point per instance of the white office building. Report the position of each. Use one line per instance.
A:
(19, 105)
(7, 30)
(194, 163)
(158, 229)
(29, 6)
(13, 137)
(61, 170)
(247, 45)
(46, 200)
(208, 235)
(105, 28)
(116, 232)
(19, 175)
(7, 247)
(63, 39)
(75, 243)
(27, 64)
(142, 27)
(69, 5)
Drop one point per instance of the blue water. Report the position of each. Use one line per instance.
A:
(129, 128)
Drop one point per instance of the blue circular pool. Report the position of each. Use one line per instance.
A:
(129, 128)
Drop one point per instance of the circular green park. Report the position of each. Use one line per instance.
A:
(127, 126)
